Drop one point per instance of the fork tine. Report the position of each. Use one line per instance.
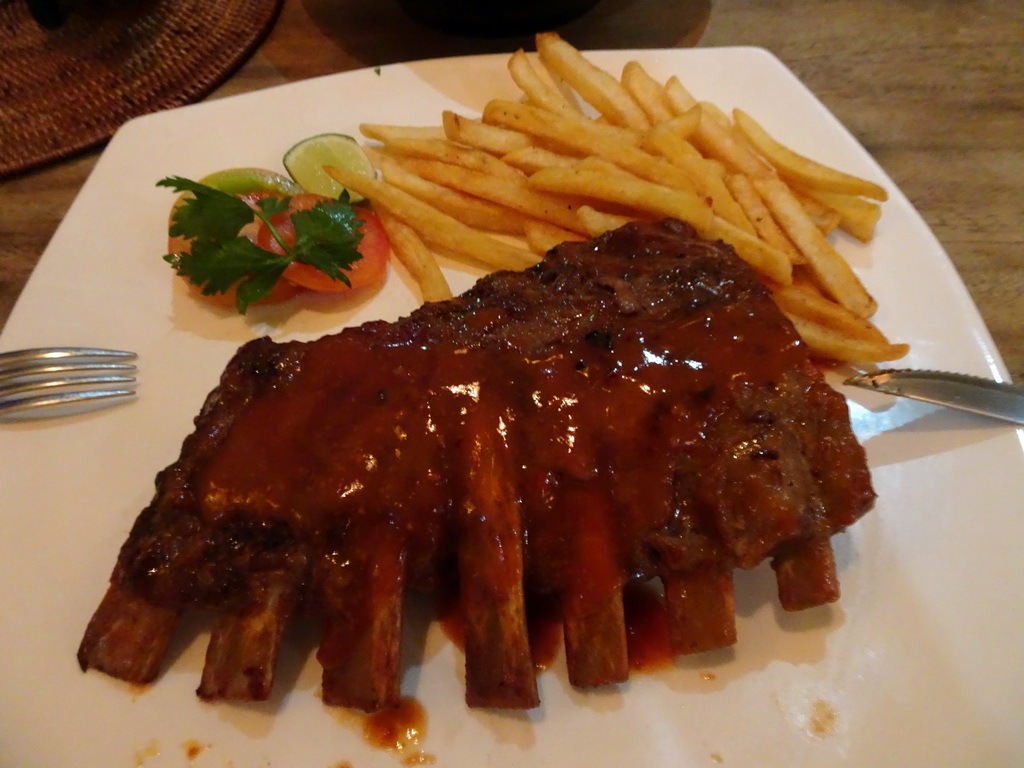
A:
(42, 355)
(30, 372)
(22, 405)
(103, 382)
(37, 382)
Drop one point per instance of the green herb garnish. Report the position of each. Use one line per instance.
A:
(327, 237)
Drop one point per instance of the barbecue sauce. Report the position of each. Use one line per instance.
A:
(399, 729)
(369, 431)
(625, 408)
(647, 630)
(632, 407)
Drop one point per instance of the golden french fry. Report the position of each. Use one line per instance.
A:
(760, 217)
(414, 255)
(622, 213)
(598, 222)
(664, 139)
(470, 210)
(594, 163)
(547, 96)
(594, 85)
(625, 190)
(716, 141)
(385, 133)
(823, 217)
(646, 92)
(530, 159)
(832, 273)
(829, 343)
(652, 151)
(715, 112)
(711, 137)
(857, 216)
(706, 177)
(826, 219)
(511, 193)
(683, 125)
(489, 138)
(542, 236)
(717, 166)
(802, 170)
(770, 262)
(456, 154)
(596, 128)
(543, 93)
(806, 302)
(679, 98)
(585, 139)
(435, 226)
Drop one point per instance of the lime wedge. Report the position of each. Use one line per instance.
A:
(306, 160)
(243, 181)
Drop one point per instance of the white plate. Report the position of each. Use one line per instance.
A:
(920, 663)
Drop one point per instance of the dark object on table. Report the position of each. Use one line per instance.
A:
(68, 88)
(49, 14)
(495, 19)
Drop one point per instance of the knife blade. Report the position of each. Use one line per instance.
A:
(955, 390)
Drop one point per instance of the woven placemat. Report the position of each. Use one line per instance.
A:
(68, 89)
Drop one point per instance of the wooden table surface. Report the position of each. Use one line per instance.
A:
(934, 90)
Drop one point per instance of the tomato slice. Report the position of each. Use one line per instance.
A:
(370, 270)
(282, 290)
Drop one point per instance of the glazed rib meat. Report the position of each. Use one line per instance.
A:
(632, 408)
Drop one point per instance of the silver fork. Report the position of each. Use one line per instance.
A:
(52, 381)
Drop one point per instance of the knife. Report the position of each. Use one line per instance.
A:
(955, 390)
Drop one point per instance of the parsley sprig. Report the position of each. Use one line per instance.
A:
(327, 238)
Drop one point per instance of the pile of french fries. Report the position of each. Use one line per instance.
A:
(504, 188)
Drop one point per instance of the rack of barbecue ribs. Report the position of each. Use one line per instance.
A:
(632, 408)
